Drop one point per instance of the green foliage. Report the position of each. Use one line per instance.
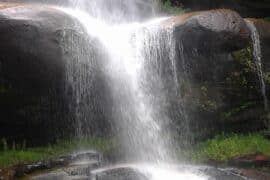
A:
(168, 8)
(10, 158)
(224, 147)
(242, 80)
(245, 58)
(242, 77)
(19, 154)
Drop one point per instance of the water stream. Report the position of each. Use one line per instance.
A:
(257, 54)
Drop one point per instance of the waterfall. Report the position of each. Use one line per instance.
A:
(134, 72)
(258, 61)
(138, 65)
(140, 71)
(135, 60)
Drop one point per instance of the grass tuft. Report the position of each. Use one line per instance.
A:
(13, 156)
(224, 147)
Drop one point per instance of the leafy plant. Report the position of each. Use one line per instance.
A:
(245, 58)
(169, 8)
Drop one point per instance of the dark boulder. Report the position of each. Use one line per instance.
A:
(211, 31)
(220, 88)
(41, 48)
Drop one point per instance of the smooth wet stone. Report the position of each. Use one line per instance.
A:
(58, 175)
(78, 170)
(83, 168)
(85, 156)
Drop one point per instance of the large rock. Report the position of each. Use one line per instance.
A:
(51, 80)
(41, 52)
(210, 31)
(220, 87)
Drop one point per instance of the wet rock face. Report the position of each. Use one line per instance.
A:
(40, 45)
(220, 89)
(32, 68)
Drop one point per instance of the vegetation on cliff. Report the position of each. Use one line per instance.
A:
(169, 8)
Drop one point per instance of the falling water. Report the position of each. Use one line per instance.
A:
(258, 61)
(115, 11)
(138, 64)
(134, 74)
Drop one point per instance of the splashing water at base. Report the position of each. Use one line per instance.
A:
(153, 172)
(168, 172)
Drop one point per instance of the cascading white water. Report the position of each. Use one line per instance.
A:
(131, 47)
(258, 61)
(140, 70)
(115, 11)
